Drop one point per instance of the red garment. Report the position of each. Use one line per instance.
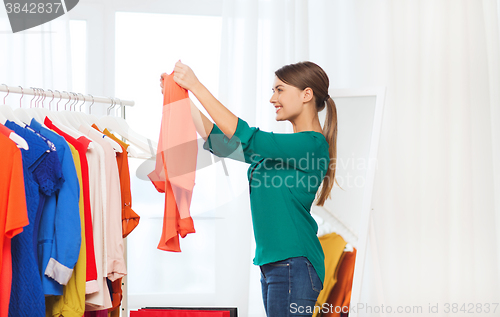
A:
(179, 313)
(341, 293)
(13, 211)
(175, 169)
(81, 145)
(97, 313)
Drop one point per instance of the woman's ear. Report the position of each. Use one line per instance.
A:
(307, 94)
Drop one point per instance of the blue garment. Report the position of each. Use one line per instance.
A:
(290, 287)
(59, 236)
(27, 297)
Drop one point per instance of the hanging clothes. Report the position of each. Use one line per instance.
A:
(81, 145)
(13, 211)
(59, 239)
(130, 219)
(42, 176)
(47, 194)
(72, 302)
(175, 168)
(114, 240)
(340, 296)
(333, 247)
(111, 235)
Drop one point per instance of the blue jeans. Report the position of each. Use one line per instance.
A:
(290, 287)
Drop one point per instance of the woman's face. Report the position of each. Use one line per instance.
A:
(287, 100)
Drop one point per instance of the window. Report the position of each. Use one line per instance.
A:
(78, 34)
(147, 45)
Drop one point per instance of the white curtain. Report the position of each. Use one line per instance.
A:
(437, 186)
(38, 57)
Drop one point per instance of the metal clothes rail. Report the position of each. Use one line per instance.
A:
(34, 91)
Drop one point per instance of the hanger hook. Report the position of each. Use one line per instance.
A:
(74, 102)
(33, 88)
(70, 100)
(44, 96)
(112, 105)
(8, 92)
(90, 107)
(60, 98)
(37, 92)
(53, 95)
(69, 96)
(82, 102)
(37, 101)
(120, 104)
(22, 95)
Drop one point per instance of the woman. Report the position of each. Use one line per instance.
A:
(284, 176)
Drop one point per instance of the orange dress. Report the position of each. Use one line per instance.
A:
(175, 169)
(340, 295)
(13, 211)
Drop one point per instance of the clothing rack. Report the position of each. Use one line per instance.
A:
(62, 95)
(34, 91)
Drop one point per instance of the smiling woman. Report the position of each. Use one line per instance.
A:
(288, 251)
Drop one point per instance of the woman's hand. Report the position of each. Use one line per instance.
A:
(185, 77)
(161, 82)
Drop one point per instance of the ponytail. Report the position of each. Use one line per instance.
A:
(330, 133)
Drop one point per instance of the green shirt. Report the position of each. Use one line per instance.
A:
(285, 172)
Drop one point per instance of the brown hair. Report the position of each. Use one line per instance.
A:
(307, 74)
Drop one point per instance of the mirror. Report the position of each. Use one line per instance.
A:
(347, 212)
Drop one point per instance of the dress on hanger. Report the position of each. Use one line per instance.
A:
(59, 239)
(81, 145)
(333, 246)
(340, 296)
(114, 241)
(72, 302)
(130, 219)
(175, 169)
(42, 175)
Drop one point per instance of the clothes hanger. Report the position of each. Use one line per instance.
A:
(27, 114)
(39, 111)
(93, 119)
(7, 111)
(85, 118)
(130, 149)
(68, 115)
(120, 126)
(2, 119)
(348, 248)
(21, 143)
(116, 147)
(60, 121)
